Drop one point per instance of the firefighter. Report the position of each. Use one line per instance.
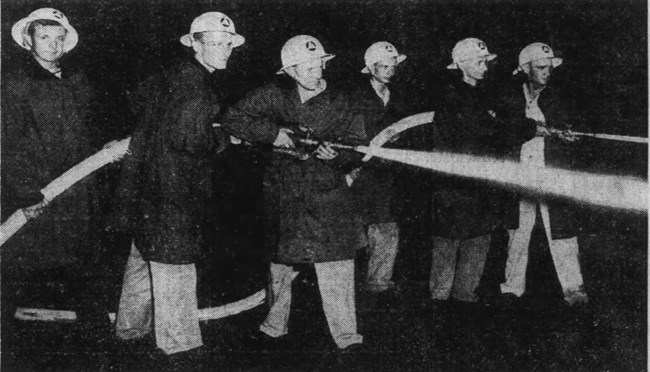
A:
(466, 212)
(48, 105)
(533, 98)
(310, 215)
(166, 187)
(380, 106)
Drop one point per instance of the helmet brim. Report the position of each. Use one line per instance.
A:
(555, 61)
(324, 58)
(454, 65)
(237, 39)
(400, 59)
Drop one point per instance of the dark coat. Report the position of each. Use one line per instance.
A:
(560, 114)
(166, 183)
(309, 209)
(44, 133)
(375, 187)
(466, 122)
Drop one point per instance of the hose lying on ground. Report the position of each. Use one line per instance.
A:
(211, 313)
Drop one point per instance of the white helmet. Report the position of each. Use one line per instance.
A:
(300, 49)
(536, 51)
(381, 51)
(19, 29)
(470, 48)
(213, 21)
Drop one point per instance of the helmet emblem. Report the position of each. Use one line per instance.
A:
(310, 45)
(546, 49)
(389, 49)
(225, 22)
(481, 45)
(56, 14)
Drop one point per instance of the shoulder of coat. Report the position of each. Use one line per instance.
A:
(269, 90)
(16, 81)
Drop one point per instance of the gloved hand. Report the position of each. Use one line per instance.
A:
(35, 210)
(352, 176)
(325, 152)
(564, 135)
(283, 139)
(567, 136)
(543, 130)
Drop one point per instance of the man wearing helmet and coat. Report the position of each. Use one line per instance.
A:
(465, 212)
(533, 99)
(47, 110)
(374, 183)
(166, 187)
(310, 214)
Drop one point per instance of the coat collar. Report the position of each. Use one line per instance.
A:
(468, 91)
(362, 86)
(36, 71)
(549, 94)
(192, 61)
(289, 90)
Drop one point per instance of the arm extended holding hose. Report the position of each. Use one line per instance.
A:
(262, 118)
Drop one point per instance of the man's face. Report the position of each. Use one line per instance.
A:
(384, 71)
(48, 42)
(308, 75)
(474, 69)
(539, 72)
(213, 49)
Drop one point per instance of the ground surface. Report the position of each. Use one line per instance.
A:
(403, 331)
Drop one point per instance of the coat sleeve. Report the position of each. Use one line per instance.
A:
(561, 113)
(512, 131)
(251, 119)
(22, 176)
(189, 128)
(87, 103)
(352, 132)
(510, 127)
(454, 120)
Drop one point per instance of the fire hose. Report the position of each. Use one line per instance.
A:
(112, 153)
(613, 137)
(108, 155)
(515, 175)
(604, 190)
(596, 189)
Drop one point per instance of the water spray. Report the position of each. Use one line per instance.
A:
(604, 190)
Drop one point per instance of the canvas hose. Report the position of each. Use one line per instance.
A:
(621, 192)
(613, 191)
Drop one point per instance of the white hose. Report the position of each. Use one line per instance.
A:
(211, 313)
(114, 151)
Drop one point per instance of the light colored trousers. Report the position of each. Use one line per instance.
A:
(564, 253)
(457, 267)
(336, 285)
(168, 292)
(383, 239)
